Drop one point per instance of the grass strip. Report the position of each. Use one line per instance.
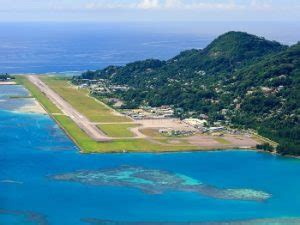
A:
(88, 145)
(222, 141)
(84, 142)
(37, 94)
(94, 110)
(117, 130)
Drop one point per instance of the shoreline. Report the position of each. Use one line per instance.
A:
(34, 108)
(169, 149)
(29, 104)
(8, 83)
(197, 149)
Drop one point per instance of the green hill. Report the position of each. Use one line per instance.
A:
(239, 78)
(269, 93)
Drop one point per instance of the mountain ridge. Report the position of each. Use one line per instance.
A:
(239, 78)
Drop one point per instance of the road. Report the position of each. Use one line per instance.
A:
(87, 126)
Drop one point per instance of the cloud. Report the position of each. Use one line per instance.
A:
(149, 10)
(260, 5)
(173, 4)
(231, 5)
(106, 5)
(140, 4)
(149, 4)
(176, 5)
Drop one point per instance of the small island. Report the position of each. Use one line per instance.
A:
(6, 79)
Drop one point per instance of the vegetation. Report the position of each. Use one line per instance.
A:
(222, 141)
(6, 76)
(151, 132)
(79, 99)
(239, 79)
(36, 93)
(83, 141)
(265, 147)
(88, 145)
(117, 130)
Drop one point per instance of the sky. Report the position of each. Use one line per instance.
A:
(149, 10)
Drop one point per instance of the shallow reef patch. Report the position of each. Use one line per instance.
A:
(22, 217)
(272, 221)
(16, 98)
(155, 181)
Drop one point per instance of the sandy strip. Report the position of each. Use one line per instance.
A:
(34, 107)
(7, 83)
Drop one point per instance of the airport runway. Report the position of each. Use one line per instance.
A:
(82, 122)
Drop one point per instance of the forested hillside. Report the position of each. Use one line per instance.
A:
(239, 78)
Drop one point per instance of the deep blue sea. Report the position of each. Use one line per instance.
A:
(61, 47)
(33, 149)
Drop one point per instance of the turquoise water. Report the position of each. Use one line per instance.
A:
(10, 98)
(33, 150)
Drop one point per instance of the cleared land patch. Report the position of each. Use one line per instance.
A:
(117, 130)
(222, 140)
(94, 110)
(151, 132)
(88, 145)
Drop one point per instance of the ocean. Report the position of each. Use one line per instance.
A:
(44, 180)
(70, 48)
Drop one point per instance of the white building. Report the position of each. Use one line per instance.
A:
(195, 122)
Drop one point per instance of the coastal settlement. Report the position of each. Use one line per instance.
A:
(157, 129)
